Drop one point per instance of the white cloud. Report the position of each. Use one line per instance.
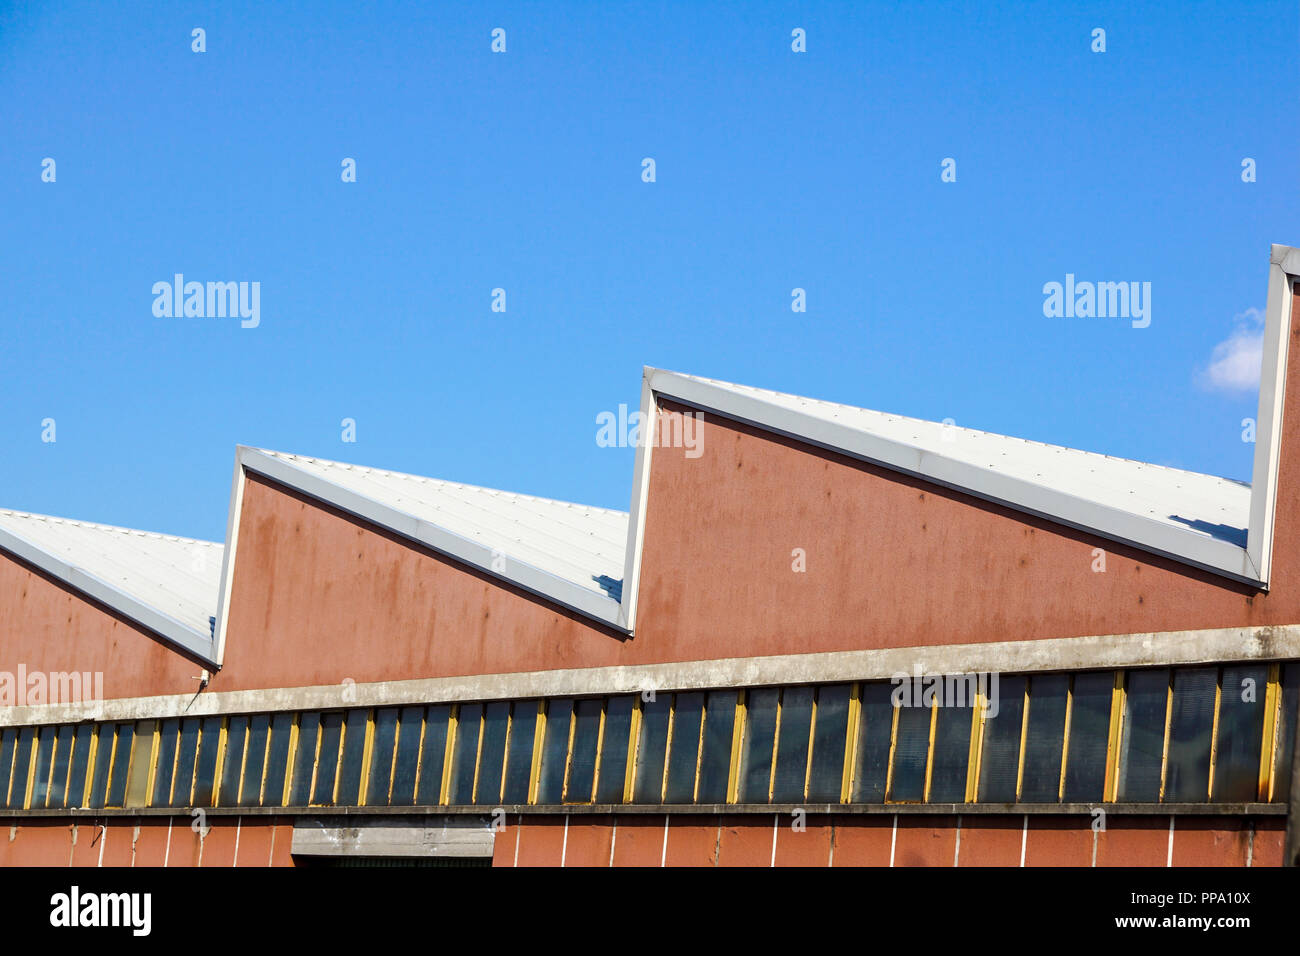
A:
(1236, 361)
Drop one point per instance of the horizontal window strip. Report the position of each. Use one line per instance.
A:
(1178, 736)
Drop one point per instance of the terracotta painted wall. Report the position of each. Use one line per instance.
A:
(52, 628)
(883, 840)
(145, 841)
(891, 561)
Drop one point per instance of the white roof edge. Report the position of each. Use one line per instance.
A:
(182, 635)
(552, 588)
(1250, 565)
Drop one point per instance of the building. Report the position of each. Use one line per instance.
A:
(1102, 656)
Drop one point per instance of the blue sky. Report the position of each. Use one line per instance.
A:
(774, 170)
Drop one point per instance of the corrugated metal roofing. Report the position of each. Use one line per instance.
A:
(1210, 506)
(178, 577)
(581, 544)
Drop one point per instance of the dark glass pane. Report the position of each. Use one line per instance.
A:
(715, 757)
(162, 778)
(259, 729)
(232, 764)
(951, 754)
(205, 766)
(651, 750)
(8, 744)
(354, 749)
(492, 753)
(582, 763)
(911, 752)
(792, 745)
(99, 773)
(871, 761)
(327, 759)
(829, 734)
(380, 774)
(1142, 749)
(433, 755)
(277, 759)
(1286, 720)
(759, 742)
(555, 749)
(613, 750)
(186, 753)
(409, 728)
(1045, 738)
(684, 747)
(63, 743)
(121, 764)
(465, 753)
(1085, 759)
(304, 759)
(1191, 724)
(80, 762)
(44, 758)
(137, 783)
(1000, 756)
(1241, 733)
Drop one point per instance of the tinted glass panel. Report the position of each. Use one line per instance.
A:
(1045, 738)
(1085, 759)
(259, 729)
(232, 763)
(137, 784)
(44, 760)
(871, 761)
(911, 750)
(715, 758)
(792, 745)
(759, 742)
(205, 768)
(277, 758)
(582, 765)
(464, 753)
(80, 763)
(23, 768)
(63, 743)
(166, 765)
(1142, 750)
(304, 758)
(409, 728)
(8, 743)
(613, 750)
(651, 750)
(121, 764)
(1191, 723)
(1241, 733)
(327, 760)
(381, 757)
(354, 749)
(492, 752)
(684, 747)
(951, 754)
(555, 748)
(433, 755)
(186, 753)
(1000, 757)
(1286, 731)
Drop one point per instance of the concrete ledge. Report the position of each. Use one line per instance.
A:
(484, 814)
(446, 836)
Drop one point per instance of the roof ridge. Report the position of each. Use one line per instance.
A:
(118, 529)
(441, 481)
(973, 431)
